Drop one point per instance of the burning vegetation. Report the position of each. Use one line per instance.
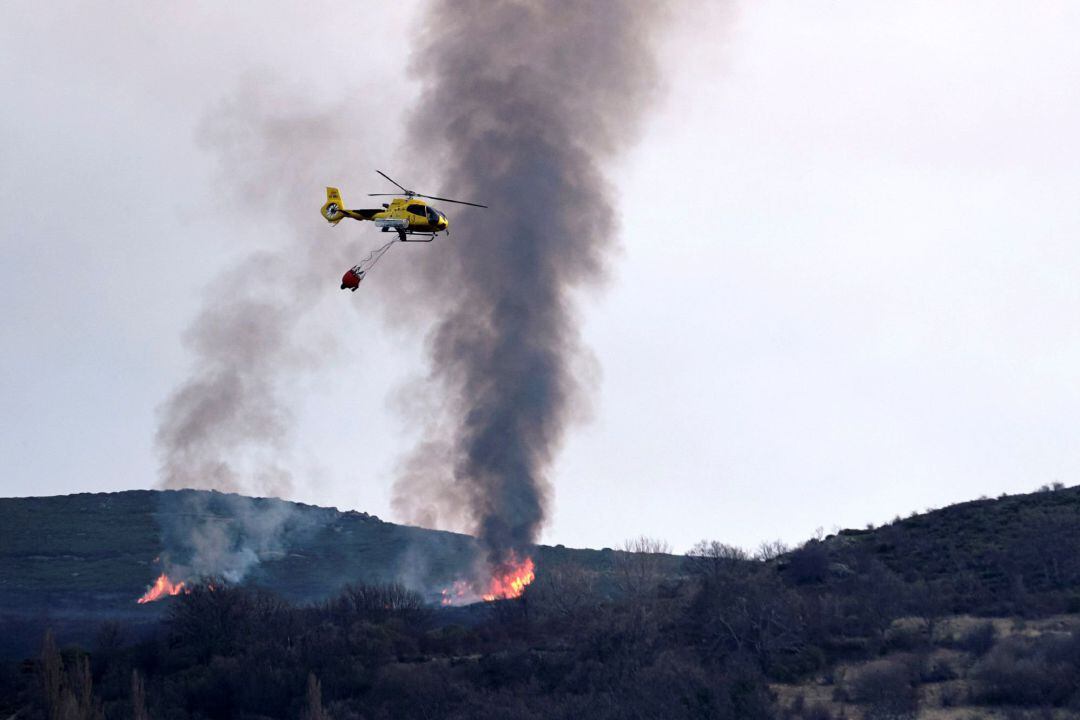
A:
(506, 583)
(163, 587)
(511, 580)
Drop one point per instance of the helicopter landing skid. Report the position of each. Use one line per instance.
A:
(415, 237)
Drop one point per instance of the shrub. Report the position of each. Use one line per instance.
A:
(936, 670)
(886, 686)
(906, 636)
(1028, 671)
(978, 640)
(809, 564)
(817, 711)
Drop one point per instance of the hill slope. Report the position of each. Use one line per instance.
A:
(67, 560)
(961, 612)
(989, 556)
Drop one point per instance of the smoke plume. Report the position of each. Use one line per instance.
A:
(229, 425)
(524, 103)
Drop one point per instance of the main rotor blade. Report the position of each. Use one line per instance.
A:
(384, 194)
(459, 202)
(392, 180)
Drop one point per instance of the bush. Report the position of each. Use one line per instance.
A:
(1029, 671)
(817, 711)
(906, 636)
(886, 686)
(936, 670)
(809, 564)
(378, 603)
(978, 640)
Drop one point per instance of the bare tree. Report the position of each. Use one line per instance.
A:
(639, 566)
(562, 590)
(87, 707)
(377, 602)
(711, 559)
(138, 697)
(771, 549)
(314, 709)
(749, 613)
(67, 695)
(647, 545)
(52, 678)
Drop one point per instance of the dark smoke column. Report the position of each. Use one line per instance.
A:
(524, 103)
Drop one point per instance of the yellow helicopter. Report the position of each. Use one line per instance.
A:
(413, 219)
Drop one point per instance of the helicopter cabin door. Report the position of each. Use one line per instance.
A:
(417, 216)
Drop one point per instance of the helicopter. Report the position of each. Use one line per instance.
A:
(412, 218)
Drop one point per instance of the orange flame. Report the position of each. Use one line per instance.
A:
(512, 580)
(508, 582)
(459, 592)
(163, 587)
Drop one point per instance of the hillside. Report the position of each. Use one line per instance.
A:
(102, 547)
(1004, 556)
(74, 561)
(968, 611)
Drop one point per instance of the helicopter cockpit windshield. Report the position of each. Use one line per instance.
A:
(434, 215)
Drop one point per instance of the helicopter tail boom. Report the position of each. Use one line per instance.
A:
(332, 209)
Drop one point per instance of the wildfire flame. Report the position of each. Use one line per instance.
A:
(460, 592)
(163, 587)
(508, 582)
(512, 581)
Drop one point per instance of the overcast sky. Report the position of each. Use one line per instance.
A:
(847, 286)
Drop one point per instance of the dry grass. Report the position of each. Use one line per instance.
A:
(942, 700)
(952, 628)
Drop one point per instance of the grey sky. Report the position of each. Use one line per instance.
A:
(848, 285)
